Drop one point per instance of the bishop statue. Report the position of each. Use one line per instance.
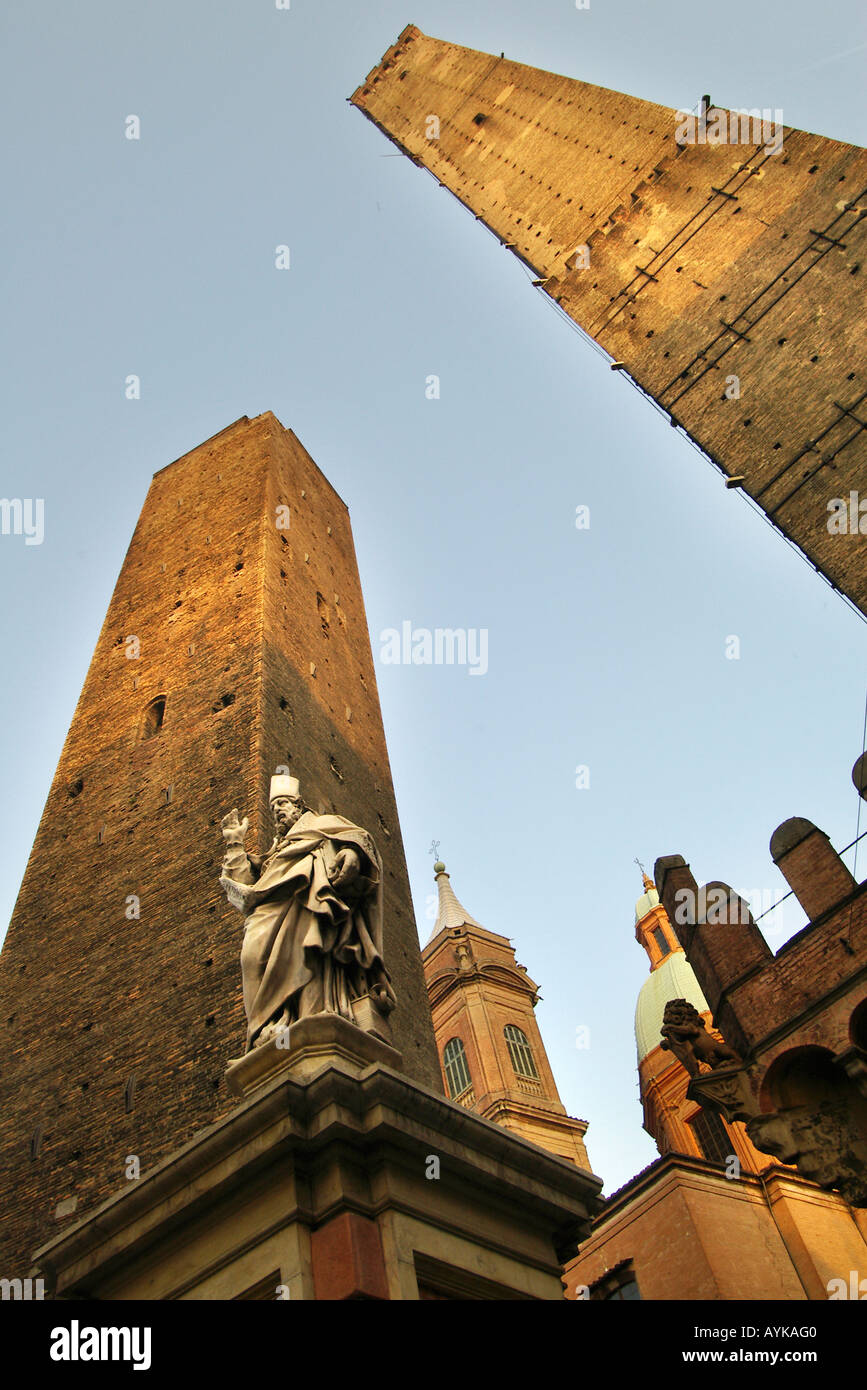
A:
(312, 916)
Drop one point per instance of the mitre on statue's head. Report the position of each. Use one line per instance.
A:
(281, 785)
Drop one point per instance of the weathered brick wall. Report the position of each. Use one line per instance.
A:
(706, 262)
(90, 996)
(761, 1001)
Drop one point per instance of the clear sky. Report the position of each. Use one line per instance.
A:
(606, 647)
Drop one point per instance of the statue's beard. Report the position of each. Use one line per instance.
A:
(284, 822)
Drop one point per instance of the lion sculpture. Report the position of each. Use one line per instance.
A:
(684, 1034)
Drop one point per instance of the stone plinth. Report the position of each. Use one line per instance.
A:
(335, 1177)
(309, 1045)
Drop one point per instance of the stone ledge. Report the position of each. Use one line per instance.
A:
(313, 1044)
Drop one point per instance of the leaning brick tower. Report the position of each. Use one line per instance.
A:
(724, 278)
(235, 642)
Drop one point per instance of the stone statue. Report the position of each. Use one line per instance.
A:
(313, 916)
(684, 1034)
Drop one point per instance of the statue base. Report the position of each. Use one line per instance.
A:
(726, 1090)
(305, 1048)
(336, 1177)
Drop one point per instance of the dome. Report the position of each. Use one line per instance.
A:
(645, 904)
(673, 979)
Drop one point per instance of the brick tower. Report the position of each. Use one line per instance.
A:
(719, 264)
(491, 1050)
(235, 642)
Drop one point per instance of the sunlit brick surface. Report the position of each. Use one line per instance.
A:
(231, 613)
(706, 262)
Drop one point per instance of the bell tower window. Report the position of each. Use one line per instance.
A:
(520, 1052)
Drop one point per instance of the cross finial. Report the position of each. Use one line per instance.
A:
(648, 881)
(434, 848)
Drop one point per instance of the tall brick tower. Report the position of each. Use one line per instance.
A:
(235, 642)
(724, 278)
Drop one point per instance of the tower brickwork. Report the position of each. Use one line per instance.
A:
(235, 643)
(724, 278)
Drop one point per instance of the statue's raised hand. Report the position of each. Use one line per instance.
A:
(234, 831)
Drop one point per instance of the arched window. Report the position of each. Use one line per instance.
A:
(520, 1052)
(153, 718)
(711, 1136)
(455, 1066)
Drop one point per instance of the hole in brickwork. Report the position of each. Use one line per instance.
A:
(36, 1142)
(851, 376)
(335, 769)
(813, 170)
(854, 270)
(781, 341)
(778, 446)
(209, 1020)
(223, 703)
(240, 565)
(179, 602)
(76, 788)
(153, 717)
(383, 826)
(814, 359)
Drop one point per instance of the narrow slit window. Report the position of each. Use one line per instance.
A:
(154, 716)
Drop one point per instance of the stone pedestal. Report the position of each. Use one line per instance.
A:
(336, 1177)
(304, 1049)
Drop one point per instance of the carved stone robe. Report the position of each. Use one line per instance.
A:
(306, 948)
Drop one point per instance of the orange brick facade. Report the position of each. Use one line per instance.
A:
(119, 977)
(477, 993)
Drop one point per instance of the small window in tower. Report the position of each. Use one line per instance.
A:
(520, 1051)
(457, 1071)
(659, 937)
(711, 1136)
(154, 715)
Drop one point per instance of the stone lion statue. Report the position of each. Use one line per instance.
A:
(684, 1034)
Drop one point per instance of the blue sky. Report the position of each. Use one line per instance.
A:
(606, 646)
